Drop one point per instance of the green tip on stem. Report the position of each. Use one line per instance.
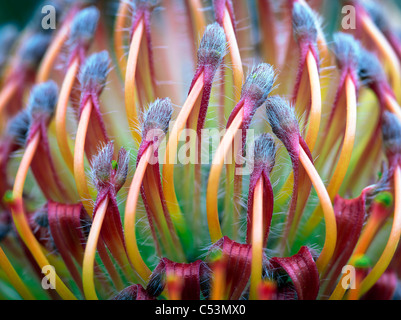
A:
(114, 165)
(385, 198)
(8, 197)
(363, 262)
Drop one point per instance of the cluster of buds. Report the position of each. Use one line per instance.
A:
(94, 117)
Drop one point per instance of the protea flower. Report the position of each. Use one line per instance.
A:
(211, 150)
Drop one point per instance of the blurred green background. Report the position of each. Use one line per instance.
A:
(18, 12)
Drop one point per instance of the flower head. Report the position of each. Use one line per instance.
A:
(126, 167)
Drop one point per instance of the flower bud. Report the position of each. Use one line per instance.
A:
(84, 26)
(19, 126)
(94, 72)
(121, 170)
(265, 151)
(377, 14)
(283, 122)
(304, 23)
(43, 99)
(157, 118)
(8, 36)
(133, 292)
(370, 70)
(347, 50)
(102, 166)
(212, 48)
(34, 49)
(258, 84)
(106, 172)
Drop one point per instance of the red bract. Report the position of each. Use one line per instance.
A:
(65, 223)
(302, 270)
(134, 292)
(237, 258)
(384, 288)
(189, 273)
(153, 201)
(350, 216)
(268, 201)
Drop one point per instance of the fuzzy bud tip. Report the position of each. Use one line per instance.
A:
(265, 151)
(34, 49)
(106, 171)
(282, 120)
(120, 168)
(347, 50)
(43, 99)
(8, 36)
(157, 117)
(369, 68)
(377, 14)
(102, 165)
(84, 26)
(304, 23)
(18, 127)
(213, 46)
(94, 72)
(259, 83)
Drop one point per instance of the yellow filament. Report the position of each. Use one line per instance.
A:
(119, 35)
(171, 151)
(79, 159)
(316, 107)
(14, 278)
(90, 251)
(330, 220)
(392, 242)
(214, 177)
(21, 222)
(130, 217)
(61, 111)
(234, 54)
(130, 105)
(257, 240)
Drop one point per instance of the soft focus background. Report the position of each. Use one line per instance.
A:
(20, 11)
(17, 11)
